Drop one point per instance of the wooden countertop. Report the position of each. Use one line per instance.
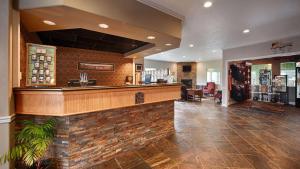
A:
(41, 88)
(65, 101)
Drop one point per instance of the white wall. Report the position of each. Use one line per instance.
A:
(201, 73)
(136, 74)
(161, 65)
(202, 68)
(256, 51)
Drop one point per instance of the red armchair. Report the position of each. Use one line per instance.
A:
(209, 89)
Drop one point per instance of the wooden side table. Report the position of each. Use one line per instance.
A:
(194, 94)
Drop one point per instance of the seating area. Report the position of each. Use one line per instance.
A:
(209, 89)
(199, 92)
(194, 94)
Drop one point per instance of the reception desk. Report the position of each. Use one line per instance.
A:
(94, 124)
(78, 100)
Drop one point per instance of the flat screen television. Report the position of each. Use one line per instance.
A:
(187, 68)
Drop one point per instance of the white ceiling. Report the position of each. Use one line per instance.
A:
(220, 27)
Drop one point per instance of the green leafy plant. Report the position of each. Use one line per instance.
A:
(32, 143)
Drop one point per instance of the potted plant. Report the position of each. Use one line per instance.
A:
(32, 143)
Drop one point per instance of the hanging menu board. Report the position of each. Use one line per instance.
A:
(41, 68)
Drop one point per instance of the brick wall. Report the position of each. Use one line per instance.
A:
(67, 60)
(187, 75)
(88, 139)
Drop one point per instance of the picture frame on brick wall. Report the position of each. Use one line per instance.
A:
(105, 67)
(138, 67)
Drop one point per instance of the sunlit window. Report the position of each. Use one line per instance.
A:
(213, 76)
(289, 69)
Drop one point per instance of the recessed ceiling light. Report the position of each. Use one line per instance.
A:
(246, 31)
(151, 37)
(168, 44)
(49, 22)
(103, 25)
(184, 56)
(207, 4)
(191, 45)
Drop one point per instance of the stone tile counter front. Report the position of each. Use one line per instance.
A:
(100, 125)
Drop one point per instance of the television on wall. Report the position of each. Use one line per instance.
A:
(186, 68)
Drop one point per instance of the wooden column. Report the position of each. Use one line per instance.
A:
(8, 47)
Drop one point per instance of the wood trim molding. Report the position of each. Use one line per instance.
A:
(7, 119)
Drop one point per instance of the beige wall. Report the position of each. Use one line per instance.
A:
(5, 58)
(4, 144)
(137, 76)
(8, 31)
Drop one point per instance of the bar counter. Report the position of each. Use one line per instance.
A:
(95, 124)
(61, 101)
(41, 88)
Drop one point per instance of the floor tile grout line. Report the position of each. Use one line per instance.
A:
(238, 149)
(255, 149)
(118, 163)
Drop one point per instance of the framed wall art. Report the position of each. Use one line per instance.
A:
(41, 65)
(138, 67)
(280, 83)
(265, 77)
(105, 67)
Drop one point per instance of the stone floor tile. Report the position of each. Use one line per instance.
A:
(209, 136)
(111, 164)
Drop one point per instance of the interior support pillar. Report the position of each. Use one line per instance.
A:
(7, 46)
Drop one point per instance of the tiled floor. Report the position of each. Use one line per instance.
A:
(211, 137)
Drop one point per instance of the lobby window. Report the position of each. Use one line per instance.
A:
(289, 69)
(213, 76)
(255, 71)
